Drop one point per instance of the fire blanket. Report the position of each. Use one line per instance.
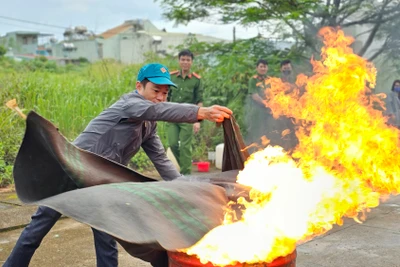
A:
(147, 217)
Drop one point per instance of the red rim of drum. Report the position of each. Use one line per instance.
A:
(179, 259)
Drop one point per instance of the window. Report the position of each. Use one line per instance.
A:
(25, 40)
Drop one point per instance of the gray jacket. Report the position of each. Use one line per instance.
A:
(119, 131)
(393, 108)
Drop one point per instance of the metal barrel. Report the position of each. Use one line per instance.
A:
(178, 259)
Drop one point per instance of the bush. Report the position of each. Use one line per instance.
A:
(83, 60)
(3, 50)
(11, 132)
(69, 99)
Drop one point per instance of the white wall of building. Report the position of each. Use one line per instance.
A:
(90, 49)
(22, 43)
(133, 49)
(112, 47)
(135, 39)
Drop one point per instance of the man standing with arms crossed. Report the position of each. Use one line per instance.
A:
(189, 90)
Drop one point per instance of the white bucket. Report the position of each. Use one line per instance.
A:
(211, 156)
(219, 152)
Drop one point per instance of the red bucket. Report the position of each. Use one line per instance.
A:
(203, 166)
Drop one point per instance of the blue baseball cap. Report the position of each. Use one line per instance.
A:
(155, 73)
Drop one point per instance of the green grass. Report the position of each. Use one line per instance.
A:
(69, 99)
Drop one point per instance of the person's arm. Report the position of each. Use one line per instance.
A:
(174, 112)
(256, 97)
(390, 109)
(253, 92)
(166, 111)
(155, 151)
(198, 95)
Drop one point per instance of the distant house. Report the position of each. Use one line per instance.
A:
(127, 43)
(130, 41)
(24, 46)
(78, 43)
(22, 42)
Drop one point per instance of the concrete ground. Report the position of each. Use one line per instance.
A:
(376, 242)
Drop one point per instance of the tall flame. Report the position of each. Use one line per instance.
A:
(346, 162)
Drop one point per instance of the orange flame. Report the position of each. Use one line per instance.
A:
(345, 163)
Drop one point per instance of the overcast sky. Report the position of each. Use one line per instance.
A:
(98, 16)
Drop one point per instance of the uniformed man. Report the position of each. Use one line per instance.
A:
(260, 121)
(287, 71)
(287, 76)
(189, 90)
(257, 113)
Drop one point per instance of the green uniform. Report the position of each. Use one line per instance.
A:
(189, 90)
(256, 113)
(259, 119)
(290, 140)
(291, 78)
(257, 85)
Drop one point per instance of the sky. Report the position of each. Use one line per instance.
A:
(100, 15)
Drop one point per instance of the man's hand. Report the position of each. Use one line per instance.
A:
(214, 113)
(196, 127)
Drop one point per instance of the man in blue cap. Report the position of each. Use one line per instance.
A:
(117, 134)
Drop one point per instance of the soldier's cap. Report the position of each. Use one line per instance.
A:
(155, 73)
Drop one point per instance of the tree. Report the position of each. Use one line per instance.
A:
(3, 50)
(226, 68)
(301, 19)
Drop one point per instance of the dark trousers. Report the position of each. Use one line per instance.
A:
(41, 223)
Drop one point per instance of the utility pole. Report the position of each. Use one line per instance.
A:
(234, 34)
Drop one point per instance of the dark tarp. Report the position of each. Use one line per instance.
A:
(235, 153)
(145, 218)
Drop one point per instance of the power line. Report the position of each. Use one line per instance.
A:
(34, 22)
(37, 23)
(110, 31)
(45, 24)
(31, 28)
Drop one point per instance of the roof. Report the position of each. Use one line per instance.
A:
(29, 33)
(182, 34)
(116, 30)
(32, 56)
(148, 28)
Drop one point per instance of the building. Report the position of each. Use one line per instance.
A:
(127, 43)
(22, 42)
(24, 46)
